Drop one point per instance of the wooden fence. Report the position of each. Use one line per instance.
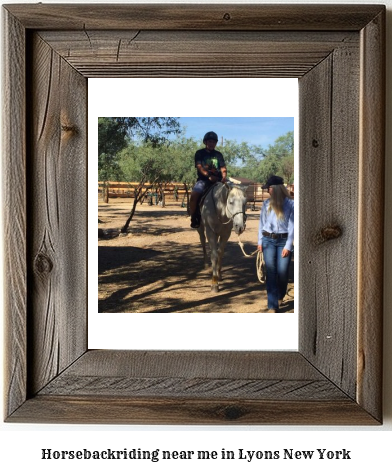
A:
(176, 192)
(172, 192)
(126, 190)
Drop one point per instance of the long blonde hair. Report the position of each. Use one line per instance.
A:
(279, 194)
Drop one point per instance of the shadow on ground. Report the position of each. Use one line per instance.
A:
(173, 279)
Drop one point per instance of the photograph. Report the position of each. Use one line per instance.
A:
(183, 211)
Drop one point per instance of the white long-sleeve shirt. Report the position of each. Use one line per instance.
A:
(270, 223)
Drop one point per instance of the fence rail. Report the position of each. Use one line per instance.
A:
(177, 191)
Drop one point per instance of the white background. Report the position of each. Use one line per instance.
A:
(21, 445)
(123, 97)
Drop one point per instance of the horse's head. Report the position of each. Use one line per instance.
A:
(236, 207)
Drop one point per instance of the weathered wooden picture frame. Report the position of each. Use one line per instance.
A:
(337, 52)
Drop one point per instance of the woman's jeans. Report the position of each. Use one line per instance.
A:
(277, 269)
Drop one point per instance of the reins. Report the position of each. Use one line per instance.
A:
(260, 264)
(233, 215)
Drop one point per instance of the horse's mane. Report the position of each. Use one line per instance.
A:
(237, 190)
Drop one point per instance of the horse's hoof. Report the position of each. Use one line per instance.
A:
(215, 288)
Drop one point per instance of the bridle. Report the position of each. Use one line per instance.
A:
(231, 218)
(228, 213)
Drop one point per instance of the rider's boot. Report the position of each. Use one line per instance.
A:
(195, 220)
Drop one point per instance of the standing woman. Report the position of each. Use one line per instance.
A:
(276, 237)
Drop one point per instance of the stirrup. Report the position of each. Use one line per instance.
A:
(195, 221)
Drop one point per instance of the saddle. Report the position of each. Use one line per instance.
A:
(203, 196)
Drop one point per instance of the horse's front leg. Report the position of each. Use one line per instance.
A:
(203, 244)
(213, 242)
(219, 264)
(221, 249)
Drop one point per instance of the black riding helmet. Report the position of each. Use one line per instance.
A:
(210, 136)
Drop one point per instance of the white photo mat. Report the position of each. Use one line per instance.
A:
(186, 98)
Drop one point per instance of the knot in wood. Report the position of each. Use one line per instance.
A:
(315, 143)
(227, 16)
(327, 233)
(232, 412)
(43, 264)
(69, 128)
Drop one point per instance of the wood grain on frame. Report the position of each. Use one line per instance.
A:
(15, 228)
(337, 52)
(57, 214)
(329, 168)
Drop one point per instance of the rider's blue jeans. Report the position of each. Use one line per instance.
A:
(277, 269)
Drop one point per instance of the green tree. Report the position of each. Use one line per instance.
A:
(246, 162)
(111, 139)
(159, 165)
(287, 169)
(146, 165)
(182, 162)
(114, 133)
(278, 159)
(154, 130)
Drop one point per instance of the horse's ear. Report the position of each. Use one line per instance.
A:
(228, 184)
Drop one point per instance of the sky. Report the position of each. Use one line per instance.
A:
(261, 131)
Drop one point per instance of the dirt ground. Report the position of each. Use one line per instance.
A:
(157, 267)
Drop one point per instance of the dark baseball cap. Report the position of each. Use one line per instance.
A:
(272, 181)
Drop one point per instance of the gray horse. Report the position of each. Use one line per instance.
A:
(222, 210)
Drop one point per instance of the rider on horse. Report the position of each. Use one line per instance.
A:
(211, 167)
